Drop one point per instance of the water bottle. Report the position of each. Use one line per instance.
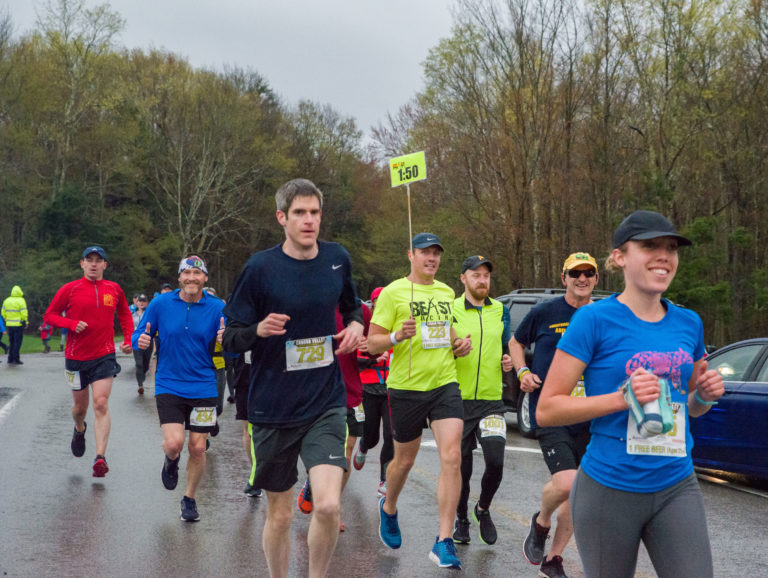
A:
(652, 423)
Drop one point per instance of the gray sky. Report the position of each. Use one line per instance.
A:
(363, 57)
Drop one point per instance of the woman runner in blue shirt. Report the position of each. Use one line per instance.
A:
(632, 486)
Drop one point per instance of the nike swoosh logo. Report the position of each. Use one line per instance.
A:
(334, 267)
(332, 457)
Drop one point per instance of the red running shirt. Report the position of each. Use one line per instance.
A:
(96, 303)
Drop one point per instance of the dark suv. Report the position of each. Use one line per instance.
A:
(520, 302)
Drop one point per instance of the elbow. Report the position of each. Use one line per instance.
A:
(544, 416)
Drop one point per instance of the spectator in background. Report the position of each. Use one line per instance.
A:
(14, 311)
(141, 357)
(46, 330)
(3, 346)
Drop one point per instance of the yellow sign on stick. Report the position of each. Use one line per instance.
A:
(408, 169)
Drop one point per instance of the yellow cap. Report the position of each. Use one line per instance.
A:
(576, 259)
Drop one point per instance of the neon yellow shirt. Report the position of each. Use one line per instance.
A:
(431, 356)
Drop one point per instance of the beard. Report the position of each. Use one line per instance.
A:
(478, 293)
(192, 288)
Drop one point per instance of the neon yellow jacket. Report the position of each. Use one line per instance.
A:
(479, 372)
(14, 309)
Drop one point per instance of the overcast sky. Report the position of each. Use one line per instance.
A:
(363, 57)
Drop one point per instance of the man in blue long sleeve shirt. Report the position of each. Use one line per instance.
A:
(188, 322)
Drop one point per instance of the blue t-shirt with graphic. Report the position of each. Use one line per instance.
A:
(613, 342)
(543, 326)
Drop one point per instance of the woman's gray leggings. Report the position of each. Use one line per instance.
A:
(609, 525)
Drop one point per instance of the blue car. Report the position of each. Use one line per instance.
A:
(733, 435)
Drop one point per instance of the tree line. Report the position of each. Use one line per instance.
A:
(545, 122)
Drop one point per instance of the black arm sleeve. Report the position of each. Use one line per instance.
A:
(239, 337)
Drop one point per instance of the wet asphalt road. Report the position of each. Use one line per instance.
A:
(57, 520)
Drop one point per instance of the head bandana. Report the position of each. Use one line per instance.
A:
(193, 262)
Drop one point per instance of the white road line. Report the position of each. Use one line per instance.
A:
(433, 444)
(6, 410)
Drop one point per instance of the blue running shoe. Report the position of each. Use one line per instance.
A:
(444, 554)
(389, 529)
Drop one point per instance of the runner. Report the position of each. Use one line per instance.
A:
(89, 359)
(562, 447)
(373, 373)
(481, 383)
(283, 308)
(141, 358)
(633, 349)
(422, 386)
(191, 323)
(241, 367)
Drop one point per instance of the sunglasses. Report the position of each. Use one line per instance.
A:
(576, 273)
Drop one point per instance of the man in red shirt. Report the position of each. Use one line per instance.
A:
(90, 305)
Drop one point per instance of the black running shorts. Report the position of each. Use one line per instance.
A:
(563, 447)
(197, 415)
(411, 411)
(80, 374)
(277, 450)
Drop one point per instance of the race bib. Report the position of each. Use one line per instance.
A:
(670, 444)
(493, 426)
(359, 413)
(73, 379)
(203, 417)
(308, 353)
(435, 334)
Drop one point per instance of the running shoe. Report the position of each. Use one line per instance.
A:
(252, 492)
(552, 568)
(535, 541)
(141, 390)
(304, 501)
(342, 527)
(189, 510)
(78, 442)
(358, 460)
(389, 529)
(382, 489)
(444, 554)
(461, 531)
(100, 467)
(487, 528)
(170, 473)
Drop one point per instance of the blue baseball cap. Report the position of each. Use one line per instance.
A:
(95, 249)
(424, 240)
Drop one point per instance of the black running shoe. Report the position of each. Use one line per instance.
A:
(189, 510)
(461, 532)
(552, 568)
(535, 541)
(78, 442)
(252, 492)
(170, 473)
(487, 528)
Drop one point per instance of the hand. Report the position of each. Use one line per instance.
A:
(383, 357)
(125, 347)
(272, 324)
(529, 382)
(709, 383)
(220, 332)
(349, 337)
(462, 346)
(644, 385)
(363, 346)
(506, 363)
(81, 326)
(145, 338)
(408, 329)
